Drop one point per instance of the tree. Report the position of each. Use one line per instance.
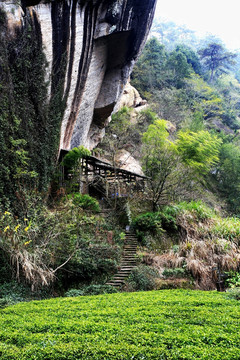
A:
(199, 150)
(191, 56)
(73, 162)
(149, 73)
(177, 68)
(160, 163)
(216, 59)
(175, 168)
(228, 174)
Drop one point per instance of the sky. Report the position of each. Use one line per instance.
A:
(218, 17)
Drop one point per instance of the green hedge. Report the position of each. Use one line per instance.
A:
(168, 324)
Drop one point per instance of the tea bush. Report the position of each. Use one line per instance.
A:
(166, 324)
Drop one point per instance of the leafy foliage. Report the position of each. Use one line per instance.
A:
(233, 279)
(199, 150)
(228, 173)
(142, 278)
(65, 241)
(91, 290)
(174, 273)
(152, 325)
(86, 202)
(74, 156)
(29, 122)
(171, 165)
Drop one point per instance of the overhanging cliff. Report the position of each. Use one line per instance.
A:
(90, 46)
(63, 67)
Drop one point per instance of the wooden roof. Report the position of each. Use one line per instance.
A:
(93, 164)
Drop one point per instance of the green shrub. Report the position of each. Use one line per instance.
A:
(228, 228)
(142, 278)
(174, 273)
(234, 293)
(233, 279)
(5, 302)
(166, 219)
(13, 292)
(169, 218)
(86, 202)
(100, 289)
(91, 290)
(201, 211)
(148, 222)
(73, 157)
(175, 249)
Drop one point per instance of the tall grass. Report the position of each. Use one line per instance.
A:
(208, 244)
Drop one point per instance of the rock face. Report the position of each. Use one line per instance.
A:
(130, 98)
(91, 47)
(127, 162)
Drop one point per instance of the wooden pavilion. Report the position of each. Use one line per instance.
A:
(102, 179)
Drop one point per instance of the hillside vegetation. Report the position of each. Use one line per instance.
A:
(56, 241)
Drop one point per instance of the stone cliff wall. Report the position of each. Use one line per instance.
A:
(90, 47)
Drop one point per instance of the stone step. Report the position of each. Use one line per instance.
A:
(118, 281)
(114, 285)
(132, 258)
(132, 264)
(119, 278)
(128, 261)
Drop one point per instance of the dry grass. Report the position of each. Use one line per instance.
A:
(32, 268)
(200, 251)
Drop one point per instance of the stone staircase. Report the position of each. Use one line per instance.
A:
(128, 261)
